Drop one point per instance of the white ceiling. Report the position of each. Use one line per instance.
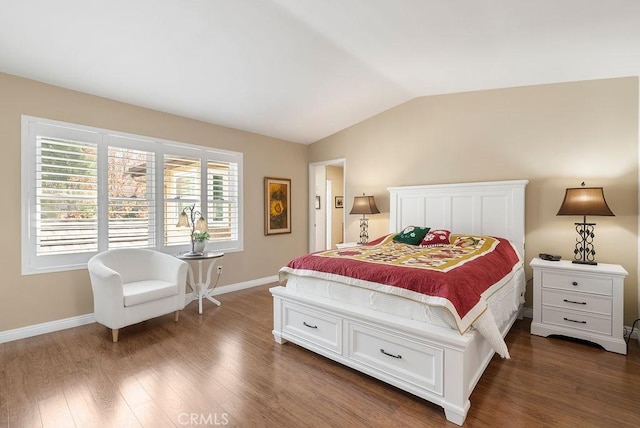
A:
(304, 69)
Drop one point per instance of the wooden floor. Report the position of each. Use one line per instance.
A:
(223, 368)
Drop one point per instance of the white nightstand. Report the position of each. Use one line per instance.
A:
(580, 301)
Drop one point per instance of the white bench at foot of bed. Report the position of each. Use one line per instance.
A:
(431, 362)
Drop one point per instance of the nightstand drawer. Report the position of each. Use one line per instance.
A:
(577, 321)
(578, 301)
(578, 282)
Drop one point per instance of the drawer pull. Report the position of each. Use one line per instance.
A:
(579, 322)
(577, 303)
(575, 283)
(309, 325)
(390, 355)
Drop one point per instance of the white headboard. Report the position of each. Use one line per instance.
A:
(493, 208)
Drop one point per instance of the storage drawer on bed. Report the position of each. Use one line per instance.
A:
(400, 357)
(320, 328)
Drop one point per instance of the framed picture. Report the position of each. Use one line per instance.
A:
(277, 205)
(317, 202)
(339, 202)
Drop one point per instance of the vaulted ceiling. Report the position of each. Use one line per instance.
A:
(301, 70)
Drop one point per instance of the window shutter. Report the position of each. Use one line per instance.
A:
(86, 190)
(66, 196)
(222, 198)
(181, 189)
(131, 194)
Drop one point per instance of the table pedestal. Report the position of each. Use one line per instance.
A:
(201, 287)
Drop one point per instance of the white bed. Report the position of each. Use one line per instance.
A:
(409, 349)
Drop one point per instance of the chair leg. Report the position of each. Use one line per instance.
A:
(114, 334)
(176, 315)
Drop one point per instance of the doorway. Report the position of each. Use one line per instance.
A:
(326, 193)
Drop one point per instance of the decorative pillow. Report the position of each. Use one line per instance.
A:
(436, 238)
(411, 235)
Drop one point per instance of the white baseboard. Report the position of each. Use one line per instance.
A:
(244, 285)
(237, 286)
(47, 327)
(63, 324)
(634, 335)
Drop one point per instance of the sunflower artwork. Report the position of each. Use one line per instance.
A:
(277, 202)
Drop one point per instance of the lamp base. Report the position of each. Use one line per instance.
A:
(582, 262)
(584, 252)
(193, 254)
(364, 232)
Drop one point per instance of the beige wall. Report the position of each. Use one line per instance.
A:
(33, 299)
(553, 135)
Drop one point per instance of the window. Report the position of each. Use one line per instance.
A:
(86, 190)
(181, 189)
(223, 206)
(66, 192)
(131, 198)
(217, 197)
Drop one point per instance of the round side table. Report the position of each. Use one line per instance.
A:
(201, 288)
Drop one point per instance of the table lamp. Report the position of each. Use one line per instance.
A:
(189, 220)
(364, 205)
(585, 201)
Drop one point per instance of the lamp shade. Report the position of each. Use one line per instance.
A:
(201, 224)
(364, 205)
(183, 220)
(585, 201)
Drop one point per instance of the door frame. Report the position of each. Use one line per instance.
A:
(312, 196)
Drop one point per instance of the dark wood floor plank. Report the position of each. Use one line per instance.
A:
(22, 407)
(4, 404)
(224, 367)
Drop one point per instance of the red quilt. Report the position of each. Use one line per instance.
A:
(460, 276)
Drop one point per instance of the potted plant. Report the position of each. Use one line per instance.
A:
(200, 238)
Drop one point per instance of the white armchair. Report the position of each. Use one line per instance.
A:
(132, 285)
